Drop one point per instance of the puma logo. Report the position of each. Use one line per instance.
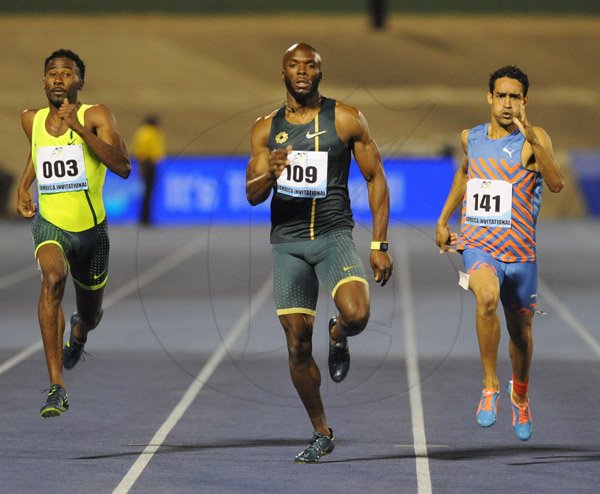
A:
(508, 151)
(312, 136)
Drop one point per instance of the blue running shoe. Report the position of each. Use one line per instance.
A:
(73, 350)
(522, 420)
(57, 402)
(488, 407)
(319, 445)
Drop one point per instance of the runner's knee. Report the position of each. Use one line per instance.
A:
(487, 301)
(299, 339)
(522, 336)
(53, 282)
(299, 352)
(91, 321)
(355, 319)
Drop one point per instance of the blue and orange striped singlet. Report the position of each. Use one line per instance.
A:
(503, 198)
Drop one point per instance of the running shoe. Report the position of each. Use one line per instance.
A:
(319, 445)
(73, 350)
(339, 356)
(56, 403)
(522, 420)
(488, 407)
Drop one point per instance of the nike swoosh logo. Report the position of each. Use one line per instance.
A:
(100, 275)
(348, 268)
(71, 143)
(311, 136)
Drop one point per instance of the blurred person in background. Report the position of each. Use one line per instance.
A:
(148, 148)
(6, 182)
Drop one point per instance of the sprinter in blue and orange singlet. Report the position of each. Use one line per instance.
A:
(72, 145)
(499, 184)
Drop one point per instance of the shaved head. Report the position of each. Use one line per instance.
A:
(302, 47)
(301, 73)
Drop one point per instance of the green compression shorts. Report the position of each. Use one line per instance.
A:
(298, 267)
(86, 252)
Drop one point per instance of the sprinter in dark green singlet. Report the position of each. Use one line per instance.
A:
(301, 152)
(72, 145)
(293, 217)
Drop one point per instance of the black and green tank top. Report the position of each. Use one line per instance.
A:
(311, 197)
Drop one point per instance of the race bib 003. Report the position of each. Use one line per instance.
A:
(61, 169)
(305, 175)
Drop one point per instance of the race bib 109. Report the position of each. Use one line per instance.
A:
(305, 175)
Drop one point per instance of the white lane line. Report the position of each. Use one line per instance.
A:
(412, 371)
(18, 276)
(194, 389)
(19, 357)
(182, 254)
(567, 316)
(149, 275)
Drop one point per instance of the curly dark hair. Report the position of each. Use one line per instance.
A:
(513, 72)
(62, 53)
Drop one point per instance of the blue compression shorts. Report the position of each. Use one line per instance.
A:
(518, 280)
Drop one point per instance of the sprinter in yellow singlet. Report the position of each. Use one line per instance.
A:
(72, 145)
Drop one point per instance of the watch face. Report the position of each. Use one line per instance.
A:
(383, 247)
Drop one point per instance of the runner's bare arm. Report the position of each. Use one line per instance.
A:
(265, 166)
(368, 158)
(25, 206)
(444, 238)
(101, 136)
(352, 125)
(539, 152)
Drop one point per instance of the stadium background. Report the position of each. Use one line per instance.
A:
(210, 68)
(186, 388)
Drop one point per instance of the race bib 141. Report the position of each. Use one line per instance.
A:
(489, 203)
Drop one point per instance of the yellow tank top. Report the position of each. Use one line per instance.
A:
(70, 178)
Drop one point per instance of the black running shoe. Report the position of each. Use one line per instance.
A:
(339, 356)
(319, 445)
(56, 403)
(73, 350)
